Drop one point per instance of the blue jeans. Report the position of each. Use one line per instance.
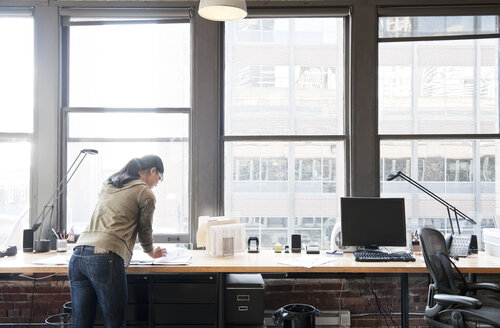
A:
(97, 279)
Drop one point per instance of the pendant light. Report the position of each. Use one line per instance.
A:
(223, 10)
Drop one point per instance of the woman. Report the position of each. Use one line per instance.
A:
(96, 270)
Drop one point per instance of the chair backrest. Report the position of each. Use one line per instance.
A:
(437, 261)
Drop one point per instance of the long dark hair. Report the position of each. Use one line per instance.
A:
(131, 170)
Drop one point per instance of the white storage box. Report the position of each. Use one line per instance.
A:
(226, 239)
(491, 238)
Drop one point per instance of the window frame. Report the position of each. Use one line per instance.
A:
(28, 216)
(95, 16)
(446, 138)
(345, 137)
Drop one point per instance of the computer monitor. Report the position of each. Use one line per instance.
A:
(372, 222)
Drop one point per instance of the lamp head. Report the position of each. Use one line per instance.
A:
(36, 226)
(392, 176)
(89, 151)
(222, 10)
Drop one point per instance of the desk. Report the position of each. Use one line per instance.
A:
(267, 262)
(263, 262)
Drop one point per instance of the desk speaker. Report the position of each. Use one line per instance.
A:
(28, 236)
(296, 243)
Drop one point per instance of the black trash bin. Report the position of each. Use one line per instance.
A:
(67, 307)
(59, 320)
(296, 316)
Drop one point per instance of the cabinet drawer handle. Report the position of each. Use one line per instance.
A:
(242, 308)
(242, 298)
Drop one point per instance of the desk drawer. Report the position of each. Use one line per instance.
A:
(138, 293)
(136, 313)
(184, 293)
(185, 314)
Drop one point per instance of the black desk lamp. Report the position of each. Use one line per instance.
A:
(450, 208)
(28, 234)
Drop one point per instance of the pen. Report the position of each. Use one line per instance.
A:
(55, 233)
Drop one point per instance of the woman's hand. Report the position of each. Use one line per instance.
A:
(158, 252)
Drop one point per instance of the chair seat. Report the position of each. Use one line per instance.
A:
(486, 314)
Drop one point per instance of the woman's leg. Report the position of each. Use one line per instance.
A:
(109, 280)
(83, 297)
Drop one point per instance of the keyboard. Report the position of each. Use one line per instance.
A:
(367, 256)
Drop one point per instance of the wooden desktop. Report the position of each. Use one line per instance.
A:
(263, 262)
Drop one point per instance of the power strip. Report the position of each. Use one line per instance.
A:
(326, 319)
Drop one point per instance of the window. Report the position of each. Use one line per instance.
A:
(129, 95)
(438, 114)
(284, 135)
(16, 121)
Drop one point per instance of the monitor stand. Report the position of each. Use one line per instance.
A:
(373, 249)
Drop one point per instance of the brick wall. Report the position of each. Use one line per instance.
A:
(24, 300)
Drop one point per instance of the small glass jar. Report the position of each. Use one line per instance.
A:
(61, 245)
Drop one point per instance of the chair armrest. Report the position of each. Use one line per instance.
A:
(484, 286)
(458, 299)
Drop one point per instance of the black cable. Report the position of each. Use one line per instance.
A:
(411, 314)
(32, 300)
(377, 301)
(389, 310)
(33, 291)
(425, 281)
(368, 287)
(385, 314)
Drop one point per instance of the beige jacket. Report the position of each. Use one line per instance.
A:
(121, 214)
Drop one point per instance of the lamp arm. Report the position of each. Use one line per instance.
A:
(436, 197)
(456, 219)
(69, 178)
(60, 187)
(451, 222)
(50, 203)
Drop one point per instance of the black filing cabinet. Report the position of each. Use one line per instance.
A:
(185, 300)
(168, 300)
(244, 300)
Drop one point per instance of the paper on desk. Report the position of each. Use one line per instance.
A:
(175, 256)
(307, 261)
(53, 260)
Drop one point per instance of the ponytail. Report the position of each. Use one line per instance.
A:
(131, 170)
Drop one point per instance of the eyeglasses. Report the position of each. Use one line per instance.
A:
(161, 176)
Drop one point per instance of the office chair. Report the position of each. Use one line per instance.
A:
(448, 304)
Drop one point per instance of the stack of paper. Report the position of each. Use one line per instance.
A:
(53, 260)
(175, 256)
